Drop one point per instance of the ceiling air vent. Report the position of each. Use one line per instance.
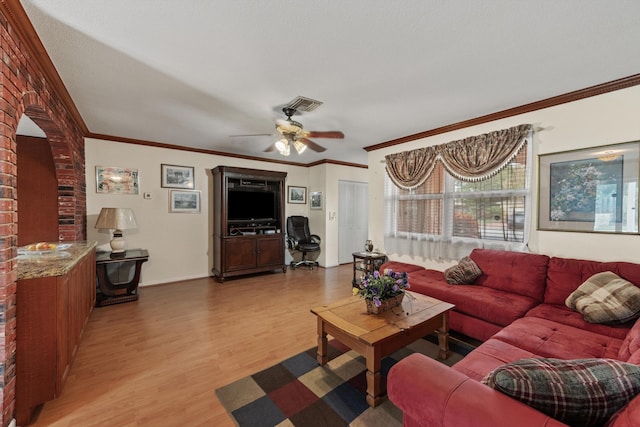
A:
(301, 103)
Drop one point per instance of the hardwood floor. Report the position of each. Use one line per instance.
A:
(157, 361)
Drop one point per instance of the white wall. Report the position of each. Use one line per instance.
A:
(605, 119)
(180, 244)
(317, 218)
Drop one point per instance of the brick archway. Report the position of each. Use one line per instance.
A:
(20, 95)
(71, 223)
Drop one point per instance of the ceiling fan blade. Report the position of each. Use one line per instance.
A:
(328, 134)
(312, 145)
(270, 148)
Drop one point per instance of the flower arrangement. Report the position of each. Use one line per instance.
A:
(378, 287)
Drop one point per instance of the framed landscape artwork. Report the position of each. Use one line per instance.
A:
(296, 194)
(177, 176)
(184, 201)
(590, 190)
(316, 200)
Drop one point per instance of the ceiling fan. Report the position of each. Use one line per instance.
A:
(291, 133)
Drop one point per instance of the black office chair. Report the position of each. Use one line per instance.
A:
(300, 239)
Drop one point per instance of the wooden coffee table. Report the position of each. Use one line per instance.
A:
(379, 335)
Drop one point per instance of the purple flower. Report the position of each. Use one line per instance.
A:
(376, 301)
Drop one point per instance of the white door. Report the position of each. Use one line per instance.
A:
(353, 219)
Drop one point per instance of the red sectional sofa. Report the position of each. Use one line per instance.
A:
(517, 308)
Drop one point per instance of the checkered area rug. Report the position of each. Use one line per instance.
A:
(299, 392)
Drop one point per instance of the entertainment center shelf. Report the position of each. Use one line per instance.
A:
(248, 221)
(247, 230)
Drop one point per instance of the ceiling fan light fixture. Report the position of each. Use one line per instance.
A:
(288, 127)
(282, 146)
(299, 146)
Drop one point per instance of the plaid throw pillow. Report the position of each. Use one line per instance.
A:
(581, 392)
(606, 298)
(464, 273)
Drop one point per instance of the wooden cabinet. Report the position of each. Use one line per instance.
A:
(245, 254)
(248, 221)
(51, 313)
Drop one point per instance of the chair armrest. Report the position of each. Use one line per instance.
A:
(432, 394)
(316, 239)
(291, 242)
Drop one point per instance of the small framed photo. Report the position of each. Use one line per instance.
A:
(316, 200)
(592, 190)
(296, 194)
(184, 201)
(174, 176)
(115, 180)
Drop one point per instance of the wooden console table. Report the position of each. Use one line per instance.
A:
(118, 276)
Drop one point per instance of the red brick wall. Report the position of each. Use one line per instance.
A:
(25, 90)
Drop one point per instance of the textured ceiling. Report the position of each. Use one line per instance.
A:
(193, 72)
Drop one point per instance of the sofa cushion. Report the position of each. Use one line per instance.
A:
(400, 266)
(564, 315)
(628, 416)
(630, 346)
(606, 298)
(488, 356)
(465, 272)
(545, 338)
(585, 392)
(473, 327)
(492, 305)
(565, 275)
(515, 272)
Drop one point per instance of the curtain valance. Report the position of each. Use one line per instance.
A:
(410, 169)
(471, 159)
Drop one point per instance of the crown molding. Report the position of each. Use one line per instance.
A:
(600, 89)
(338, 162)
(213, 152)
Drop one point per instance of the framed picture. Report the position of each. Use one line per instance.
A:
(296, 194)
(590, 190)
(115, 180)
(316, 200)
(177, 176)
(184, 201)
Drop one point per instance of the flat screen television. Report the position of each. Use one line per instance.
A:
(245, 206)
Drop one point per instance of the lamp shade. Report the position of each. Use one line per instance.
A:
(116, 218)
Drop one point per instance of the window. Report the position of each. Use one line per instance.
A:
(420, 210)
(493, 209)
(445, 217)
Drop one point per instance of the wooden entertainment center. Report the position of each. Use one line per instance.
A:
(248, 221)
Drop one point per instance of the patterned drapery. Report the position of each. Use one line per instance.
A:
(471, 159)
(480, 157)
(410, 169)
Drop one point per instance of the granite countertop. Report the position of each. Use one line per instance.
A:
(56, 262)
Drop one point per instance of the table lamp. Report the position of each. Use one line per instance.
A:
(117, 219)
